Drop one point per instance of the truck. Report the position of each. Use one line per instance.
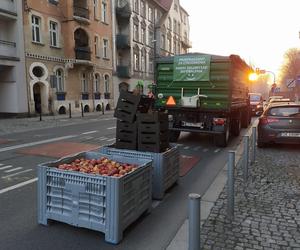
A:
(203, 93)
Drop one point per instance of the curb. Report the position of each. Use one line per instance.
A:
(180, 241)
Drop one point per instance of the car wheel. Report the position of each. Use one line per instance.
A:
(261, 144)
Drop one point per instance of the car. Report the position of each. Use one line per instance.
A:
(278, 100)
(279, 123)
(256, 103)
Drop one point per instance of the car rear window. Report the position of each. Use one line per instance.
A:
(255, 97)
(284, 111)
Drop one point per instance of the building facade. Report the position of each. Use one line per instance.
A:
(144, 30)
(13, 93)
(68, 55)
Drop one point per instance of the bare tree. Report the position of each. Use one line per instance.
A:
(290, 68)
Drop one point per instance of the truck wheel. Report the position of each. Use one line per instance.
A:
(173, 135)
(221, 140)
(245, 120)
(236, 127)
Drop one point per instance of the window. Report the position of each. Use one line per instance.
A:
(106, 83)
(174, 46)
(136, 32)
(175, 7)
(105, 48)
(84, 83)
(59, 80)
(96, 10)
(151, 62)
(35, 25)
(150, 38)
(174, 26)
(163, 41)
(170, 23)
(97, 83)
(150, 14)
(136, 59)
(53, 34)
(143, 9)
(178, 28)
(97, 46)
(104, 11)
(143, 34)
(169, 45)
(143, 61)
(136, 6)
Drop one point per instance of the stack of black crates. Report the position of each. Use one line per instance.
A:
(138, 127)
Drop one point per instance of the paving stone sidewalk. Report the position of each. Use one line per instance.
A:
(267, 206)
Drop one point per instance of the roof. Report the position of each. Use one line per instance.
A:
(166, 4)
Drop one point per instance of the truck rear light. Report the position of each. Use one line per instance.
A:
(267, 120)
(219, 121)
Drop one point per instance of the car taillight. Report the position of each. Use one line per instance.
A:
(267, 120)
(219, 121)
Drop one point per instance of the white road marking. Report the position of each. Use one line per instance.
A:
(112, 139)
(10, 175)
(90, 132)
(205, 150)
(112, 127)
(103, 139)
(108, 119)
(12, 170)
(94, 119)
(22, 184)
(6, 167)
(36, 143)
(217, 150)
(197, 148)
(187, 147)
(155, 204)
(87, 137)
(1, 164)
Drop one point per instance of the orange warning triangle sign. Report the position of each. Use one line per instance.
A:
(171, 101)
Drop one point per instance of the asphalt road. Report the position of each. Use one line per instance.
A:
(18, 206)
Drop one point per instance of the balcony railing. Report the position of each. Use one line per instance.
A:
(97, 95)
(123, 71)
(8, 49)
(123, 41)
(83, 53)
(106, 95)
(123, 9)
(8, 7)
(81, 12)
(61, 96)
(85, 96)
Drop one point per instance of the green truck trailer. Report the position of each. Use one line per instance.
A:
(204, 93)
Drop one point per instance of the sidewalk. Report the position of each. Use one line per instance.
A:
(12, 125)
(267, 206)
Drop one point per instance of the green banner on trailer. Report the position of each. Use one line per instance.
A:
(192, 68)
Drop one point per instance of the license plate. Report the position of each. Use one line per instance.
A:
(288, 134)
(192, 124)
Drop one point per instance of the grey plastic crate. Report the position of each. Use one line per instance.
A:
(102, 203)
(165, 166)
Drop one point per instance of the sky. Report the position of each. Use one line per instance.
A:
(259, 31)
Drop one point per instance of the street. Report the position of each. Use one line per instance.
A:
(21, 152)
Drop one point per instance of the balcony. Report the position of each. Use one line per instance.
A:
(84, 96)
(83, 53)
(97, 96)
(186, 43)
(61, 96)
(8, 50)
(106, 95)
(123, 41)
(8, 9)
(81, 14)
(123, 10)
(123, 71)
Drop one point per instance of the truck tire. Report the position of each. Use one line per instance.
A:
(173, 135)
(245, 119)
(236, 127)
(221, 140)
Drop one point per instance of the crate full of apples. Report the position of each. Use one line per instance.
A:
(96, 191)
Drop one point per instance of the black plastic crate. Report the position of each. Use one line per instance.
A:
(145, 104)
(127, 106)
(131, 145)
(126, 136)
(157, 147)
(152, 117)
(156, 137)
(123, 126)
(153, 127)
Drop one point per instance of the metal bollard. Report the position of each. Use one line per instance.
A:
(70, 112)
(246, 157)
(253, 155)
(41, 113)
(194, 221)
(102, 108)
(81, 109)
(230, 184)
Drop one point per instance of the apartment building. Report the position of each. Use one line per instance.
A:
(13, 93)
(68, 55)
(144, 30)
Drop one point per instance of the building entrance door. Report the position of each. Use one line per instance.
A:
(37, 98)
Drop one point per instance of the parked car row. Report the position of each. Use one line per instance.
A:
(279, 122)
